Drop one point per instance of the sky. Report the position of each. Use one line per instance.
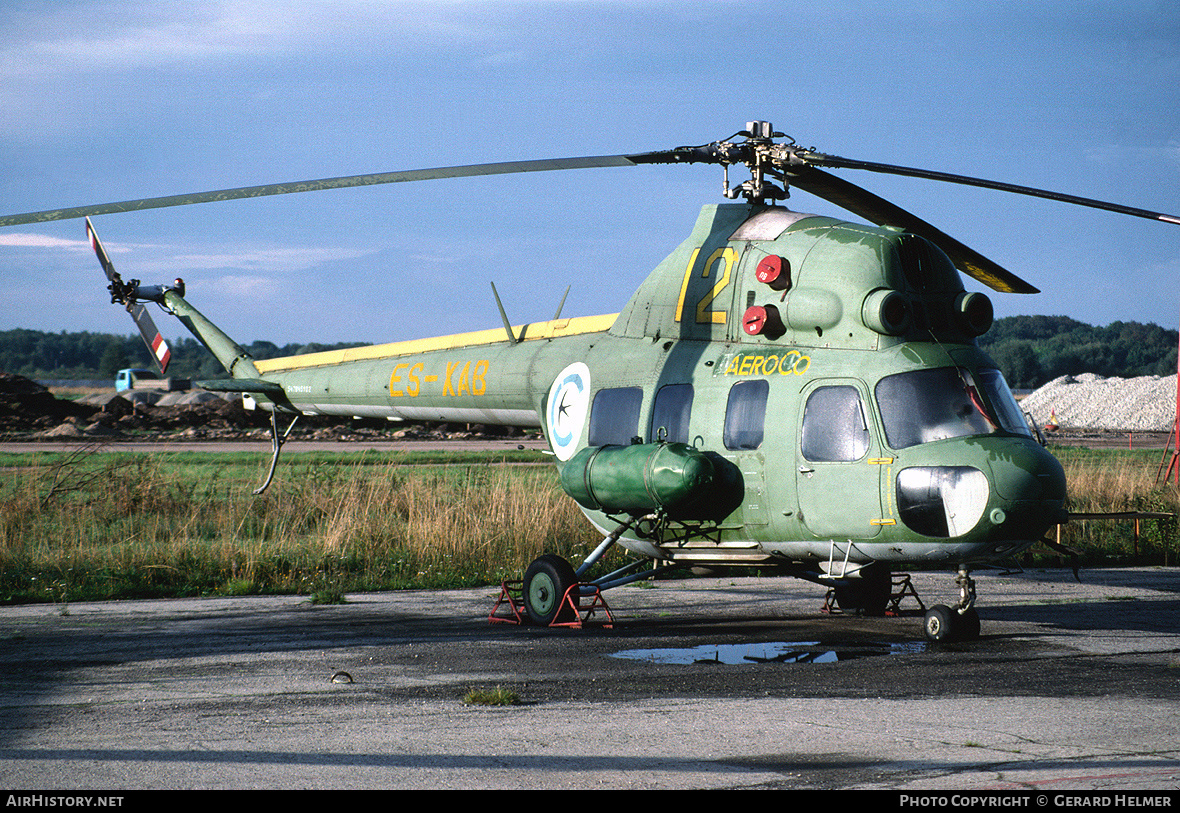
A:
(111, 101)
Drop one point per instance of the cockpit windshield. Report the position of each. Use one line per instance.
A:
(927, 405)
(1003, 403)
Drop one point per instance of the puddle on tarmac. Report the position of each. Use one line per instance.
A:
(771, 652)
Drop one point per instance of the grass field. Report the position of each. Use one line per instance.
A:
(96, 526)
(88, 526)
(1114, 481)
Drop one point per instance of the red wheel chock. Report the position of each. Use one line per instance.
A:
(573, 612)
(572, 602)
(512, 594)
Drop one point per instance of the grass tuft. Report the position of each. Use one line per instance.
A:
(498, 696)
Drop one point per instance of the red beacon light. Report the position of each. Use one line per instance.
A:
(763, 320)
(774, 271)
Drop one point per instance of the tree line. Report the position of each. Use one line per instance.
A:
(40, 355)
(1033, 350)
(1029, 350)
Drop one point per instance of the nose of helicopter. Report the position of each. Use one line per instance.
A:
(1030, 486)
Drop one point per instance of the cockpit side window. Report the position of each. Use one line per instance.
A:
(835, 428)
(1003, 402)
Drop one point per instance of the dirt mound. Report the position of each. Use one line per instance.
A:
(25, 404)
(29, 411)
(128, 415)
(28, 408)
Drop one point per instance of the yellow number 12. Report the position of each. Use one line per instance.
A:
(704, 315)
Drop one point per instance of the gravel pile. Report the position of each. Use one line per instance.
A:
(1088, 401)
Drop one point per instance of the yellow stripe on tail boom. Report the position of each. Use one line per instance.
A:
(541, 330)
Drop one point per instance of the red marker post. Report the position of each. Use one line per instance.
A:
(1176, 422)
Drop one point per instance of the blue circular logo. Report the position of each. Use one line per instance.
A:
(566, 409)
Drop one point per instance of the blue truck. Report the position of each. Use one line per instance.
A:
(134, 378)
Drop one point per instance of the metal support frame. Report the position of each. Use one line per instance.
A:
(1163, 519)
(902, 586)
(902, 581)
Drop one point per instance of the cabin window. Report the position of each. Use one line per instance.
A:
(835, 429)
(614, 416)
(928, 405)
(670, 413)
(745, 414)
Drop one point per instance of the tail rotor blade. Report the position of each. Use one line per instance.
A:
(151, 336)
(124, 294)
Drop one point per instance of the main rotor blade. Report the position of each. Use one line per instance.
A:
(105, 261)
(544, 165)
(913, 172)
(883, 213)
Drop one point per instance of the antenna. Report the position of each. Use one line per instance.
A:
(504, 316)
(561, 304)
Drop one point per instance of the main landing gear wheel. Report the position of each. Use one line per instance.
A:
(943, 624)
(545, 584)
(867, 594)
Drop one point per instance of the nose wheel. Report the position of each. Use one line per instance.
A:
(944, 624)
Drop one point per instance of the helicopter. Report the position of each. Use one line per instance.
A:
(785, 390)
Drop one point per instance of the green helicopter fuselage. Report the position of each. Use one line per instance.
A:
(783, 388)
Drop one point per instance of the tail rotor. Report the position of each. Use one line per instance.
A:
(132, 296)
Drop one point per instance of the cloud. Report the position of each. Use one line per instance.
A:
(245, 287)
(27, 240)
(136, 36)
(258, 260)
(170, 260)
(92, 36)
